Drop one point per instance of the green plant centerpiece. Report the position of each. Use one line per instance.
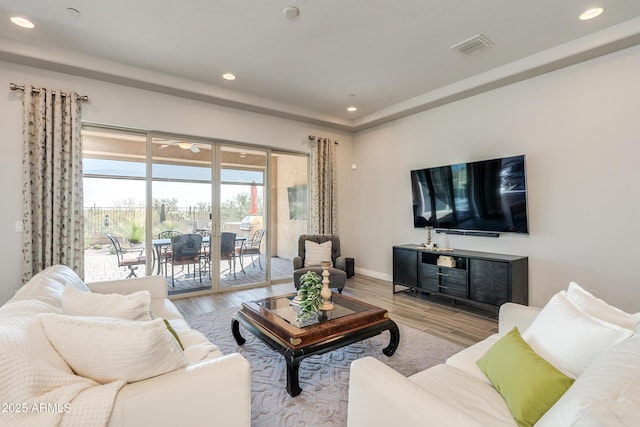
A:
(310, 287)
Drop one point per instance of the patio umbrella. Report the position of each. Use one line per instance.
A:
(254, 200)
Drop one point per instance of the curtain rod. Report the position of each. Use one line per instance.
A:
(14, 86)
(313, 138)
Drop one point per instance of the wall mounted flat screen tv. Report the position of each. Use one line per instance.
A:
(485, 196)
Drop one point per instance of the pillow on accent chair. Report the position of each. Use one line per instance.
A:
(108, 349)
(135, 306)
(568, 337)
(316, 253)
(529, 384)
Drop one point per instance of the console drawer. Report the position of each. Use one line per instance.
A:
(429, 278)
(453, 275)
(453, 282)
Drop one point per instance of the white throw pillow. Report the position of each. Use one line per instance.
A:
(315, 253)
(108, 349)
(612, 381)
(135, 306)
(599, 309)
(568, 337)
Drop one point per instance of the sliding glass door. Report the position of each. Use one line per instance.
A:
(242, 216)
(114, 169)
(180, 208)
(239, 208)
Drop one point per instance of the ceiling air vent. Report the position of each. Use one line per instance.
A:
(473, 45)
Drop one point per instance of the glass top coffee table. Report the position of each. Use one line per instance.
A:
(273, 321)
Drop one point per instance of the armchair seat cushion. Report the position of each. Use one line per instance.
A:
(337, 277)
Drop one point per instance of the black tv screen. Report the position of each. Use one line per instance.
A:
(488, 195)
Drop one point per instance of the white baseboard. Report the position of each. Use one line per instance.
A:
(374, 274)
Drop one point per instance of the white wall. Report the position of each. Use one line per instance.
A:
(122, 106)
(580, 130)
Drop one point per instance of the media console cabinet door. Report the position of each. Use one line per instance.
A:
(405, 266)
(489, 281)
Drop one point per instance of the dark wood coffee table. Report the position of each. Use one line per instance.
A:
(272, 320)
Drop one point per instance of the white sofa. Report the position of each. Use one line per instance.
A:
(458, 394)
(210, 389)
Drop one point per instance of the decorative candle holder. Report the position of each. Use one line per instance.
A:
(429, 242)
(325, 293)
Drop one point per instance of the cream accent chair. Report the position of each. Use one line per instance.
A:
(337, 273)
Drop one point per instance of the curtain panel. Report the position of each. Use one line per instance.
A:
(323, 187)
(52, 182)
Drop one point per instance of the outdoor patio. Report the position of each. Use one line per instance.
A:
(101, 264)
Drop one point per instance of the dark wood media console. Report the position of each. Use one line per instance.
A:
(481, 279)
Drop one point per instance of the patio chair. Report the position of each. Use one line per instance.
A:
(127, 257)
(185, 250)
(252, 247)
(228, 250)
(205, 253)
(164, 251)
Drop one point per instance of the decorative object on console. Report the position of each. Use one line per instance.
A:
(325, 292)
(443, 241)
(429, 243)
(446, 261)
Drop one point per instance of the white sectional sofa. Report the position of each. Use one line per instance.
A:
(43, 348)
(587, 340)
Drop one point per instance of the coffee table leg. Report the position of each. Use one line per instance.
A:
(394, 341)
(235, 330)
(293, 383)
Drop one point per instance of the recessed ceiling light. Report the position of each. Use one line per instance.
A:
(352, 109)
(22, 22)
(591, 13)
(228, 76)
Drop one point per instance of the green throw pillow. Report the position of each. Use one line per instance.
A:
(173, 332)
(529, 384)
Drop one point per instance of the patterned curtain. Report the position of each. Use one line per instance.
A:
(52, 182)
(322, 190)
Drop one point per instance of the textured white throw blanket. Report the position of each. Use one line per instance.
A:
(37, 387)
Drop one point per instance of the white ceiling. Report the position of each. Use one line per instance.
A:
(395, 56)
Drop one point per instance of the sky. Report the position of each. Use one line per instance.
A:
(112, 192)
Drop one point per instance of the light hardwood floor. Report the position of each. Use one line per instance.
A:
(461, 325)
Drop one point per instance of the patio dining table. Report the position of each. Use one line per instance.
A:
(158, 244)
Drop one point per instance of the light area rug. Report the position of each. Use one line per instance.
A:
(324, 378)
